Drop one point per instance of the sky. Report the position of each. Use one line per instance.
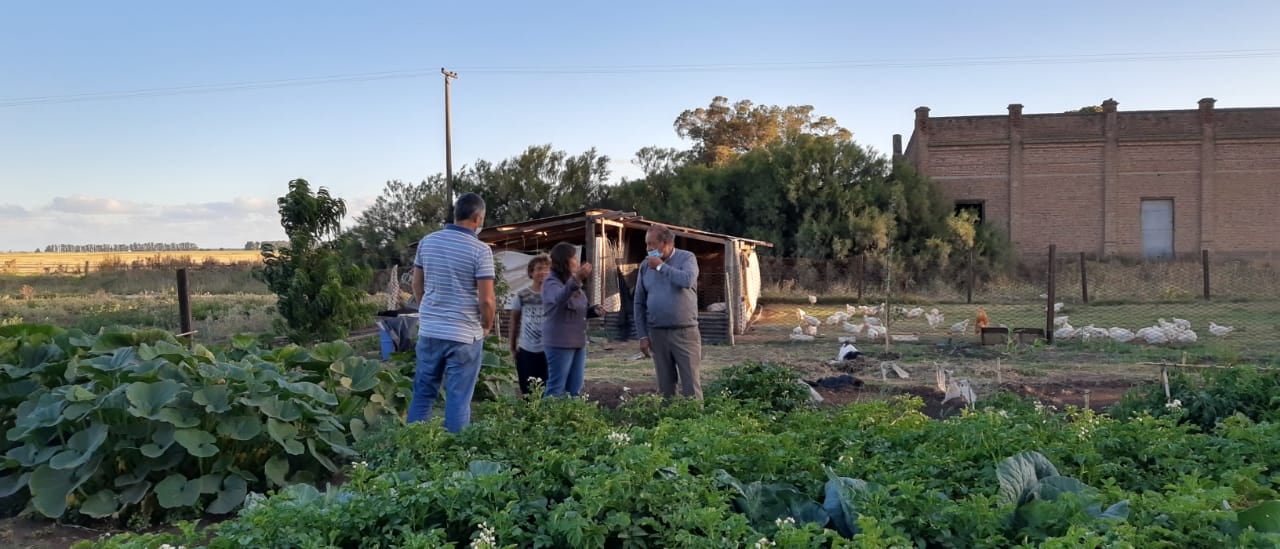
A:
(206, 167)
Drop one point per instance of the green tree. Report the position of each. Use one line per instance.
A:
(400, 216)
(319, 294)
(539, 182)
(722, 131)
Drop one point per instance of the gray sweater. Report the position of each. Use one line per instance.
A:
(667, 297)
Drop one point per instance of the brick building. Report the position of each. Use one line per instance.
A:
(1141, 183)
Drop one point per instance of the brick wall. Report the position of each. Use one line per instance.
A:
(1077, 180)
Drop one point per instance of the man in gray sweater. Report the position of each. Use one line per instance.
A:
(666, 308)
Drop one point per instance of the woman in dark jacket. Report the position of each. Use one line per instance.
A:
(564, 321)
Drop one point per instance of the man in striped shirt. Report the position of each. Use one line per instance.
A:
(453, 279)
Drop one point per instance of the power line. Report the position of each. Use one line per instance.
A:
(946, 62)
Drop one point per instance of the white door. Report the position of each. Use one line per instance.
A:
(1157, 228)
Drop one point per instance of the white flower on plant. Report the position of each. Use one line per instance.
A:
(626, 389)
(359, 464)
(1174, 405)
(782, 521)
(764, 542)
(487, 538)
(619, 439)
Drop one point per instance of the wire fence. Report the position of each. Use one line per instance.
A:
(1220, 310)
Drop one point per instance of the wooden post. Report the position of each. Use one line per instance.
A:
(1084, 281)
(1204, 266)
(86, 268)
(972, 278)
(1086, 398)
(1164, 379)
(1053, 275)
(184, 305)
(999, 376)
(862, 274)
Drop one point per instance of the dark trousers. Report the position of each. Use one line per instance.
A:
(530, 365)
(677, 358)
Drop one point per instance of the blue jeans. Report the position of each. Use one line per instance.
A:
(565, 370)
(458, 365)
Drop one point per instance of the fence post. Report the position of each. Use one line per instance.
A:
(969, 291)
(1084, 281)
(1048, 307)
(862, 273)
(1204, 266)
(86, 268)
(184, 305)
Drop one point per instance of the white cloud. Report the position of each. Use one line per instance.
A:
(90, 205)
(12, 211)
(83, 219)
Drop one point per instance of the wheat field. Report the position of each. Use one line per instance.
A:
(32, 263)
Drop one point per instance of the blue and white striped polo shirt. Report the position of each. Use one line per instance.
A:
(452, 260)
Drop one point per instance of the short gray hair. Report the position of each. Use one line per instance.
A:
(467, 206)
(663, 233)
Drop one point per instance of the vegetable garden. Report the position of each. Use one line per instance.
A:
(295, 446)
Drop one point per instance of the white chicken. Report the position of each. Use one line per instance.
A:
(813, 300)
(876, 332)
(811, 330)
(872, 321)
(808, 318)
(853, 328)
(1064, 333)
(960, 328)
(851, 310)
(798, 334)
(1060, 321)
(1219, 330)
(934, 318)
(1093, 333)
(1120, 335)
(837, 318)
(915, 312)
(1153, 335)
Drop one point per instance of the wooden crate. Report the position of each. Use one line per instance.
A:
(995, 335)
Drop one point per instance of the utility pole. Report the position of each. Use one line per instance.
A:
(448, 146)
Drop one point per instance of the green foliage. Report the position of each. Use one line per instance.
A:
(1216, 396)
(130, 422)
(821, 198)
(539, 182)
(771, 386)
(399, 217)
(722, 473)
(320, 296)
(721, 131)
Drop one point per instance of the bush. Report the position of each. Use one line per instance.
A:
(1219, 394)
(773, 386)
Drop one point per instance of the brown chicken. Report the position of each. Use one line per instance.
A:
(980, 322)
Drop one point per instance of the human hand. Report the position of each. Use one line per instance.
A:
(644, 347)
(584, 271)
(654, 261)
(600, 311)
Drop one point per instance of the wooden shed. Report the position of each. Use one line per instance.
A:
(613, 241)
